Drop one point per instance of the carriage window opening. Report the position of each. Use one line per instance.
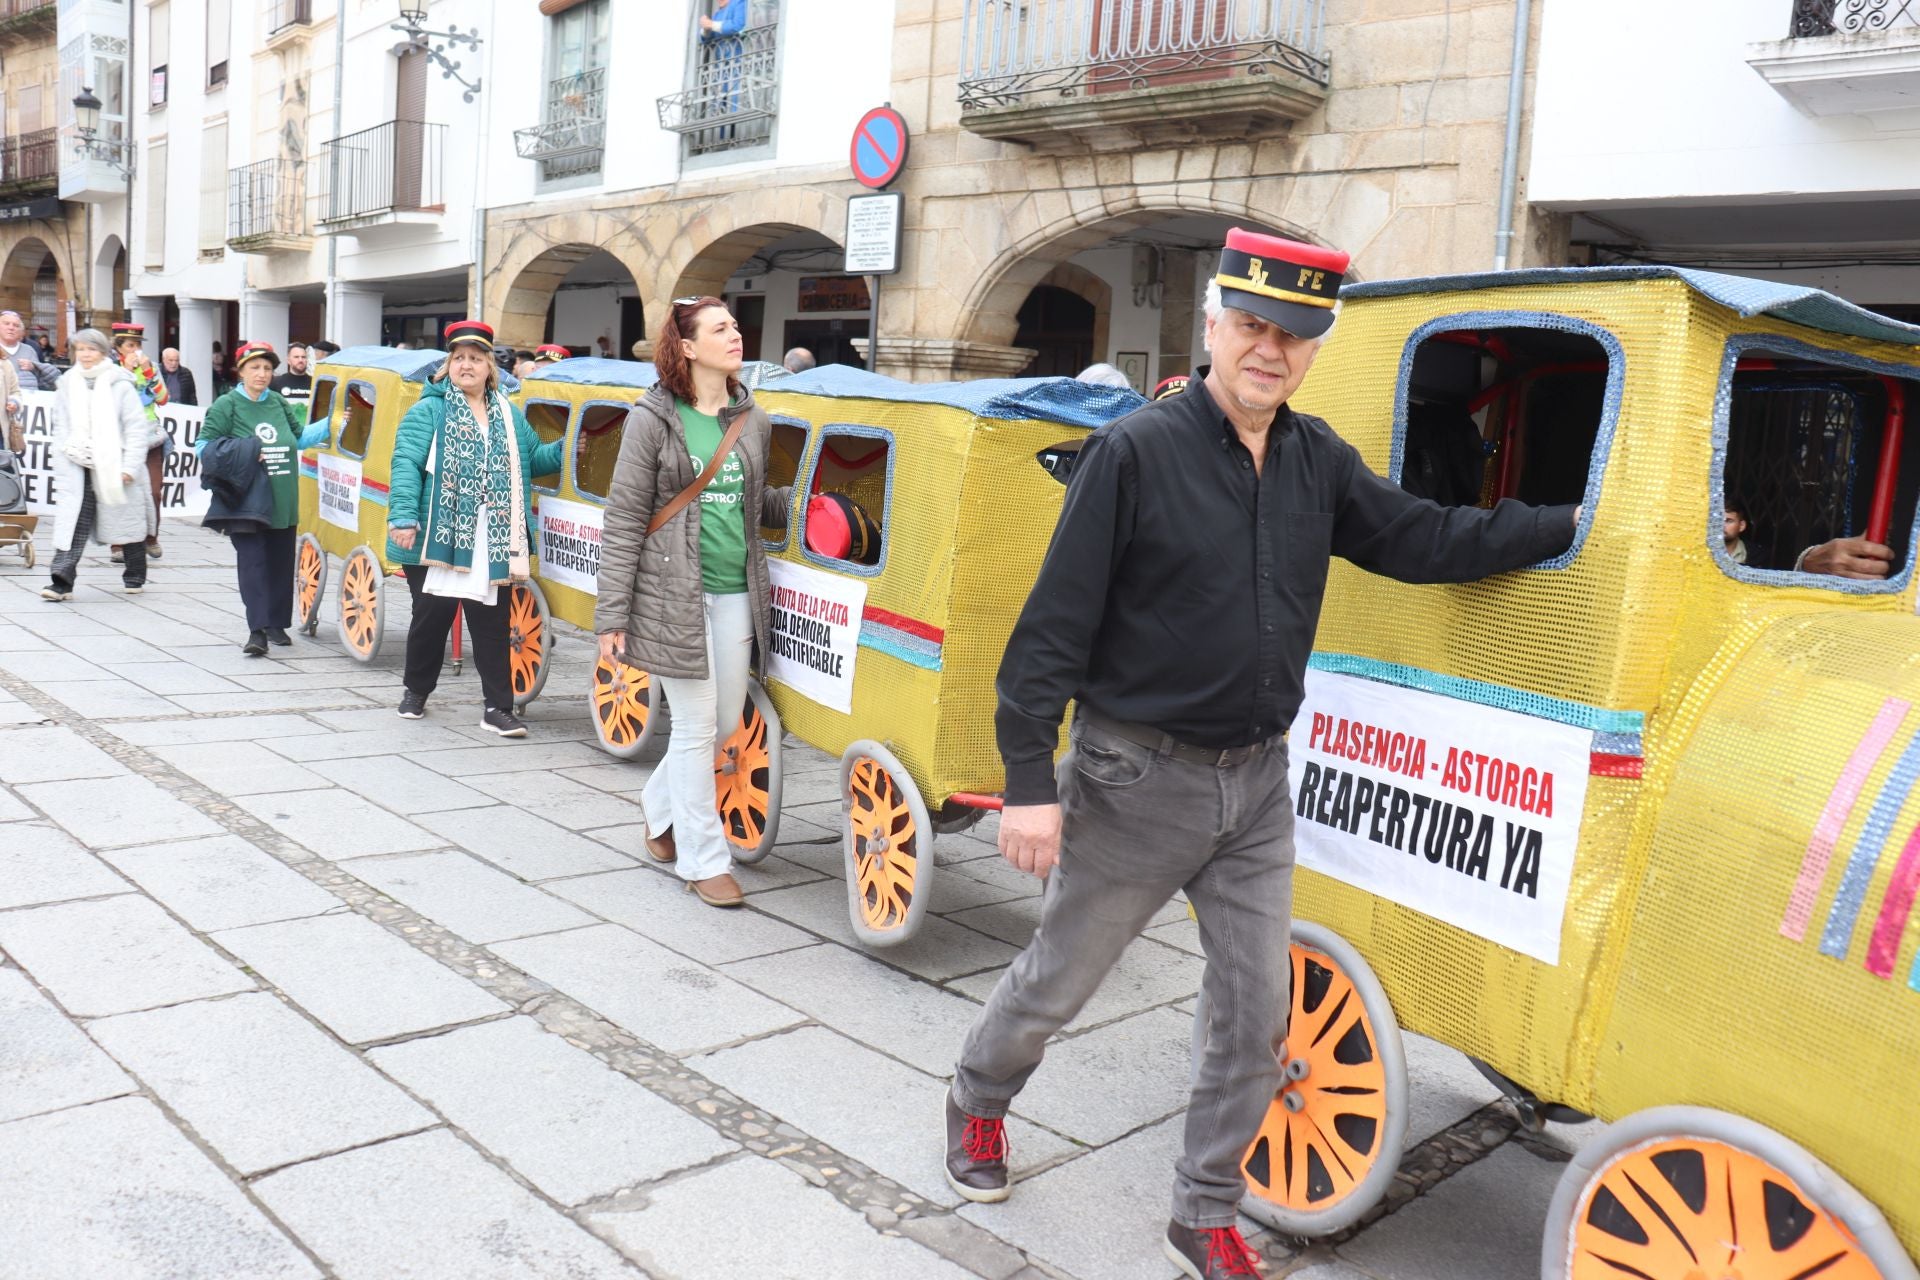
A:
(1815, 452)
(847, 505)
(359, 428)
(598, 448)
(320, 406)
(1503, 413)
(548, 419)
(784, 454)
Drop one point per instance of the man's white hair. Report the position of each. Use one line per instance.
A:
(1215, 308)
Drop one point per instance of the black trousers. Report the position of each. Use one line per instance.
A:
(264, 564)
(66, 560)
(427, 641)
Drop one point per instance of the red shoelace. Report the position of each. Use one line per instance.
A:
(1229, 1253)
(985, 1141)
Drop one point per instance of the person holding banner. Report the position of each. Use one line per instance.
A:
(1176, 608)
(689, 491)
(460, 519)
(99, 467)
(263, 558)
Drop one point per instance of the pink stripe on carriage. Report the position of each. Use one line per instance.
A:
(1826, 833)
(1894, 909)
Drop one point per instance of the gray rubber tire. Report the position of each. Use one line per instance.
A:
(309, 622)
(545, 623)
(892, 934)
(378, 622)
(657, 715)
(757, 695)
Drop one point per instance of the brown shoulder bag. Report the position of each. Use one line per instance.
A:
(700, 482)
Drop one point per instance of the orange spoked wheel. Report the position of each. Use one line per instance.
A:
(1679, 1193)
(529, 637)
(309, 582)
(628, 708)
(1331, 1141)
(889, 845)
(363, 622)
(746, 778)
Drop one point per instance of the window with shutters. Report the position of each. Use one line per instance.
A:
(571, 136)
(159, 50)
(154, 179)
(213, 191)
(219, 40)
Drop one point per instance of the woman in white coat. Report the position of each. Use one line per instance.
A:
(100, 486)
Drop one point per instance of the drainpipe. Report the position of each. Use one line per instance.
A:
(333, 169)
(126, 243)
(1510, 161)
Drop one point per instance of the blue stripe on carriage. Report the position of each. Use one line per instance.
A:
(1577, 714)
(896, 643)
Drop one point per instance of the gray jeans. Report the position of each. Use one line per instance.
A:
(1139, 825)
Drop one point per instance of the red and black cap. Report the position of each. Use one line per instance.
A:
(1290, 283)
(550, 352)
(255, 351)
(128, 331)
(1172, 386)
(469, 331)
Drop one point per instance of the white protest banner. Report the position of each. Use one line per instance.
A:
(570, 543)
(816, 632)
(1466, 813)
(180, 491)
(339, 484)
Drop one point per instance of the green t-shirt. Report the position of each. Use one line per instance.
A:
(234, 414)
(723, 529)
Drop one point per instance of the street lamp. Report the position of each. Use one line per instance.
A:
(86, 122)
(412, 25)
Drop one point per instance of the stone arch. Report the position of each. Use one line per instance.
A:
(1076, 279)
(715, 240)
(109, 278)
(26, 257)
(522, 286)
(986, 315)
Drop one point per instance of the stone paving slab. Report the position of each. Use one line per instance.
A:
(357, 978)
(258, 1082)
(1450, 1089)
(397, 783)
(865, 1000)
(40, 864)
(234, 770)
(109, 699)
(431, 1206)
(17, 639)
(222, 883)
(12, 807)
(114, 955)
(939, 950)
(19, 713)
(106, 650)
(124, 811)
(476, 901)
(617, 777)
(40, 668)
(1485, 1221)
(221, 703)
(47, 1063)
(563, 802)
(264, 729)
(530, 847)
(167, 678)
(506, 756)
(672, 1235)
(52, 754)
(113, 1189)
(656, 905)
(218, 655)
(666, 999)
(572, 1126)
(337, 824)
(878, 1111)
(1106, 1083)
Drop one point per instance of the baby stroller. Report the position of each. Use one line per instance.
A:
(16, 526)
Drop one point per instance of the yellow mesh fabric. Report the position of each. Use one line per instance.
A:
(1674, 984)
(357, 424)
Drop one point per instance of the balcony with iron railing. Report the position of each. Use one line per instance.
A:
(391, 175)
(27, 19)
(1063, 74)
(734, 95)
(572, 133)
(285, 19)
(267, 207)
(30, 164)
(1845, 57)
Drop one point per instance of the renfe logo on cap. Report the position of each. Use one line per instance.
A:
(1292, 284)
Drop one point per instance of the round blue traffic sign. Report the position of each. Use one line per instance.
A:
(879, 149)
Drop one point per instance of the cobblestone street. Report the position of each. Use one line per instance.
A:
(293, 987)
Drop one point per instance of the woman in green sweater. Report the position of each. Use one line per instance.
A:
(264, 559)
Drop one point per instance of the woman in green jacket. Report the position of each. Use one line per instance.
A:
(460, 519)
(263, 559)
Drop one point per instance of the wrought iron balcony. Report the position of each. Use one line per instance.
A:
(30, 162)
(380, 176)
(285, 16)
(735, 93)
(1845, 57)
(572, 134)
(26, 19)
(1852, 17)
(1124, 72)
(267, 207)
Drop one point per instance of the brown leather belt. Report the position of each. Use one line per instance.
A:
(1165, 744)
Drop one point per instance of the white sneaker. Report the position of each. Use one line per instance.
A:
(54, 593)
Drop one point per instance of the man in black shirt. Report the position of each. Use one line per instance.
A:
(1177, 605)
(296, 384)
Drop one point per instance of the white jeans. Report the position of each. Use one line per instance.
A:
(703, 713)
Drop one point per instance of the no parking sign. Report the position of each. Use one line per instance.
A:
(879, 148)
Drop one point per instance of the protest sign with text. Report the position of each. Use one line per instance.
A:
(570, 543)
(815, 629)
(180, 491)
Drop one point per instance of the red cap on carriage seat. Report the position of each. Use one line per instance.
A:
(474, 331)
(1292, 284)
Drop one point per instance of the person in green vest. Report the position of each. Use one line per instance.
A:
(263, 559)
(460, 519)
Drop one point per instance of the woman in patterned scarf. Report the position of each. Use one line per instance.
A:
(459, 522)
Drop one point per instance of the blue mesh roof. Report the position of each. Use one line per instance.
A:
(596, 371)
(1062, 400)
(1796, 304)
(414, 366)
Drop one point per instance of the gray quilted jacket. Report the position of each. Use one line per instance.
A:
(650, 587)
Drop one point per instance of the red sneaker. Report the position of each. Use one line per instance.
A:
(976, 1156)
(1210, 1253)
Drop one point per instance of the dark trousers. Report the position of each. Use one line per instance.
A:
(264, 565)
(66, 560)
(427, 641)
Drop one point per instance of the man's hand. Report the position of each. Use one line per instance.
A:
(23, 362)
(613, 646)
(1030, 837)
(1576, 515)
(404, 538)
(126, 478)
(1849, 558)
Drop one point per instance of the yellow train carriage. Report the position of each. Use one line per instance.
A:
(1637, 828)
(362, 393)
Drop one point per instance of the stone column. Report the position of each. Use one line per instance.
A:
(1178, 305)
(199, 327)
(353, 315)
(263, 318)
(148, 311)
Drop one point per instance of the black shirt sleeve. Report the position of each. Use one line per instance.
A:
(1384, 529)
(1047, 655)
